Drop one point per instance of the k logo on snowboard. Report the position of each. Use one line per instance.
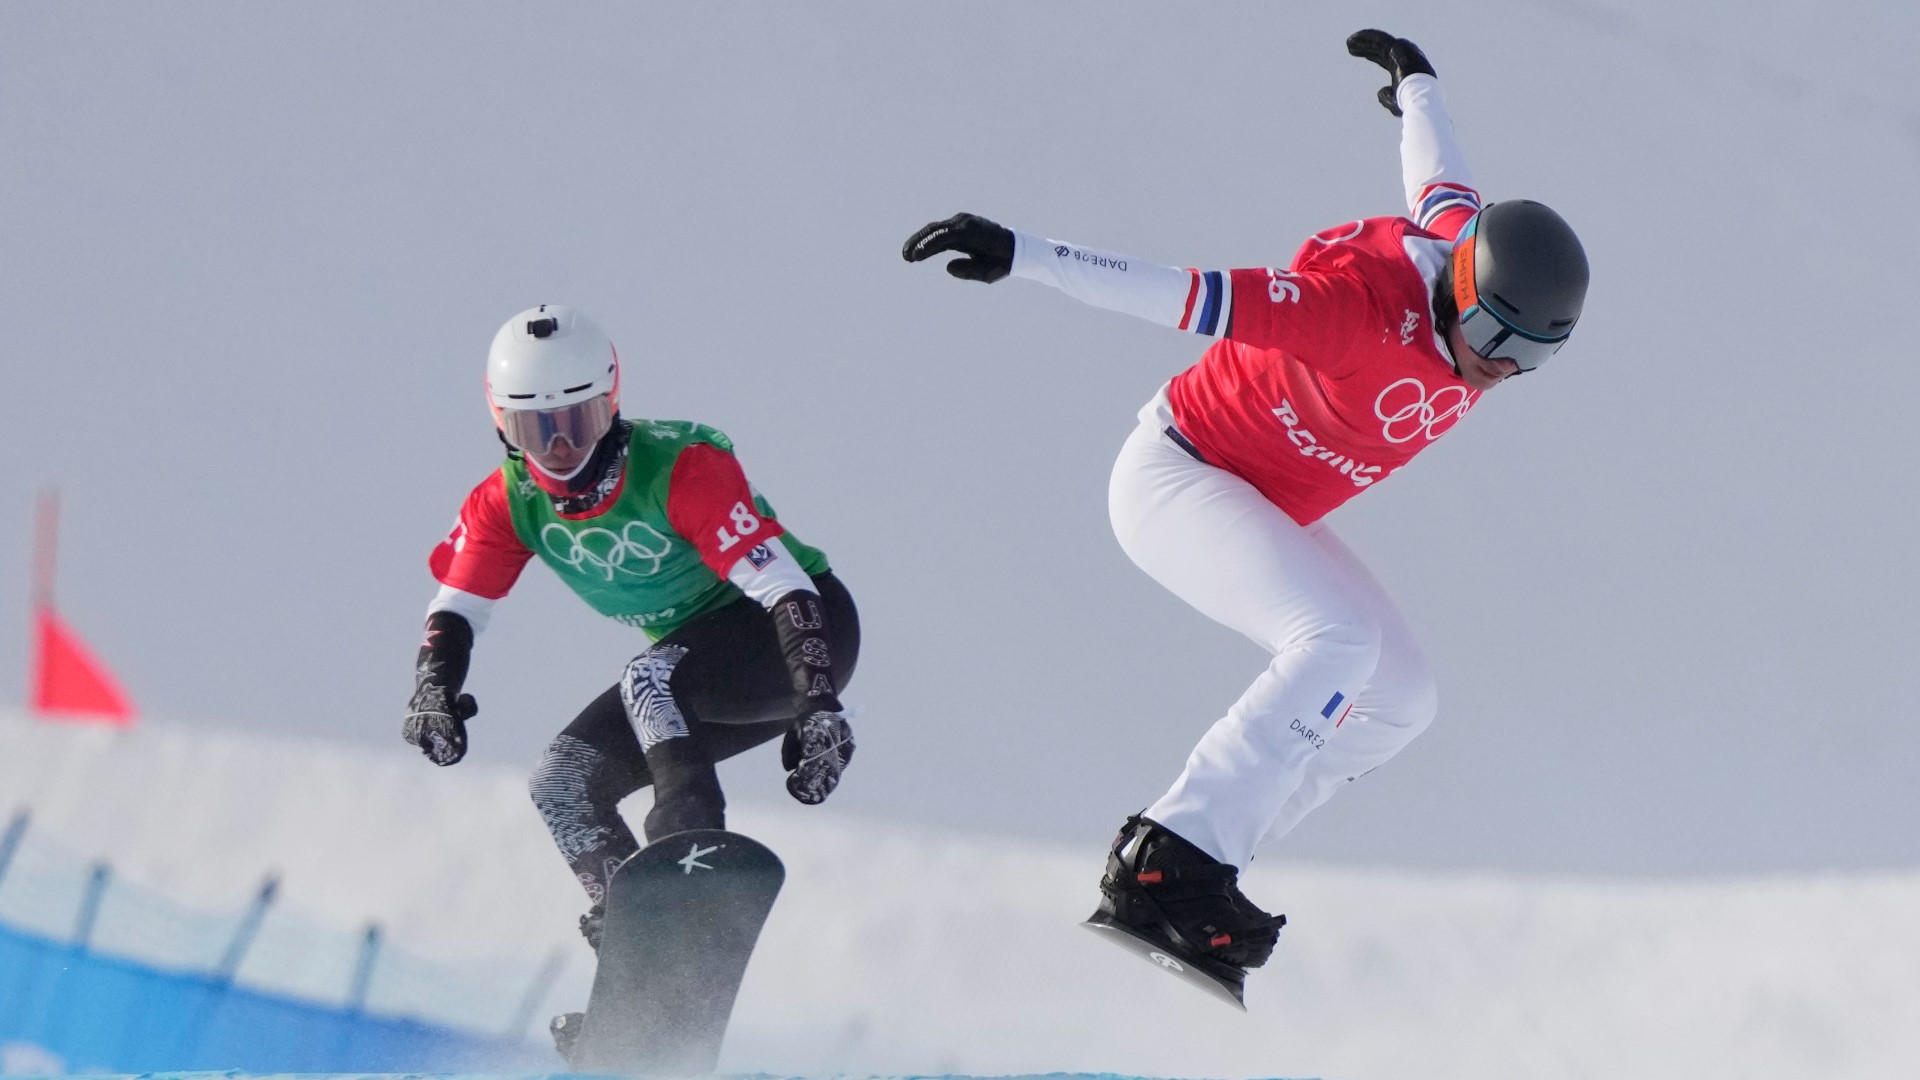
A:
(695, 854)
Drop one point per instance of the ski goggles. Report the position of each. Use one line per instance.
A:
(581, 424)
(1485, 330)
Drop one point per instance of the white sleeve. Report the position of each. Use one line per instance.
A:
(769, 572)
(474, 609)
(1431, 166)
(1183, 299)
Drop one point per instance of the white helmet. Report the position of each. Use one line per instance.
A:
(553, 376)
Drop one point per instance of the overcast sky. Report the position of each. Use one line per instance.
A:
(251, 256)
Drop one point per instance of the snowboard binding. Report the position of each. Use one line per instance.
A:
(565, 1030)
(594, 924)
(1184, 907)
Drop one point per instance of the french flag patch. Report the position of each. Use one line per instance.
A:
(1337, 701)
(1439, 198)
(1209, 303)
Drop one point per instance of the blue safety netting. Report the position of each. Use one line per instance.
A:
(94, 1013)
(100, 975)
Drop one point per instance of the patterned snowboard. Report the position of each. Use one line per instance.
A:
(1220, 980)
(682, 919)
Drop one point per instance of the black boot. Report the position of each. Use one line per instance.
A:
(686, 790)
(1164, 887)
(565, 1030)
(592, 924)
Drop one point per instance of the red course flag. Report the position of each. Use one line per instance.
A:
(68, 682)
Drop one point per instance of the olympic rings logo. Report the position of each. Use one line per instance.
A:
(1432, 415)
(605, 552)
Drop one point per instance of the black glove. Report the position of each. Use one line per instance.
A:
(816, 751)
(1399, 56)
(988, 247)
(819, 744)
(439, 729)
(438, 713)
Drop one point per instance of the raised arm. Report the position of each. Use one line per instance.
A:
(1308, 314)
(1440, 192)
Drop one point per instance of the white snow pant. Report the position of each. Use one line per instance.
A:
(1347, 687)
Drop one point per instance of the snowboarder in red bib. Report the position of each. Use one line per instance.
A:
(1328, 375)
(653, 524)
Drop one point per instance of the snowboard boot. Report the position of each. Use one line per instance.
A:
(686, 790)
(565, 1029)
(1164, 888)
(593, 924)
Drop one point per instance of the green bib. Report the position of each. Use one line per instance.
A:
(626, 561)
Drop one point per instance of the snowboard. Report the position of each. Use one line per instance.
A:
(683, 915)
(1223, 981)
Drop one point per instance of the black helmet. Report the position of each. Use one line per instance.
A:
(1519, 280)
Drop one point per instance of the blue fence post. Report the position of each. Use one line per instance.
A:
(10, 840)
(52, 1014)
(14, 984)
(191, 1043)
(90, 905)
(347, 1049)
(249, 927)
(363, 971)
(543, 981)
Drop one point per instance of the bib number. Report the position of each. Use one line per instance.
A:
(745, 523)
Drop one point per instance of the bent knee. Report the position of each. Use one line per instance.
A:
(1424, 707)
(1407, 699)
(1355, 641)
(562, 778)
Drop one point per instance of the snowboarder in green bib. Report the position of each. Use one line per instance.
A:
(652, 523)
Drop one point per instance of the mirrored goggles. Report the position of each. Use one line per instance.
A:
(1483, 328)
(1488, 335)
(581, 424)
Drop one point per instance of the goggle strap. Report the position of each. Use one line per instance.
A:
(1466, 294)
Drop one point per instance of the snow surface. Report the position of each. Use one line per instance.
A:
(902, 951)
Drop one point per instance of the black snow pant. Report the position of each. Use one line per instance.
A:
(725, 672)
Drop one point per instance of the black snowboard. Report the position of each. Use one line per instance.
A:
(1223, 981)
(682, 919)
